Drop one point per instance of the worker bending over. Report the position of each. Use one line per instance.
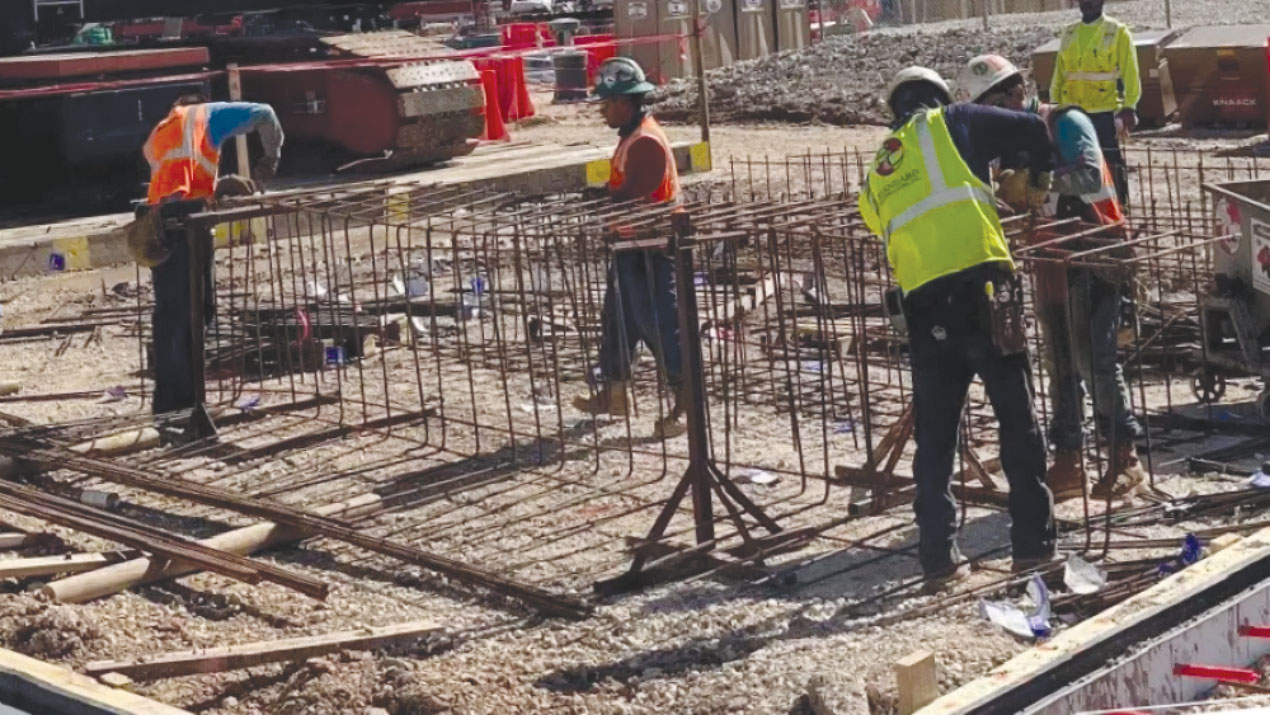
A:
(184, 154)
(639, 300)
(1083, 188)
(927, 196)
(1097, 70)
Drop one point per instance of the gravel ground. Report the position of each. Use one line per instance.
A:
(842, 80)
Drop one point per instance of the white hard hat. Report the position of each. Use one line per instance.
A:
(917, 74)
(982, 74)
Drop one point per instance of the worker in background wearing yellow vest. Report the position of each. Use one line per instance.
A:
(1097, 70)
(927, 196)
(183, 151)
(639, 301)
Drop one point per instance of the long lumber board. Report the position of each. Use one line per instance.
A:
(1035, 674)
(44, 687)
(247, 655)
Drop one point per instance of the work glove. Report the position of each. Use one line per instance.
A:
(1038, 191)
(1012, 189)
(264, 171)
(234, 185)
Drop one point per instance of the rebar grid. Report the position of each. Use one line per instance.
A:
(424, 344)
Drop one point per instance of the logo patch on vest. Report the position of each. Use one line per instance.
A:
(889, 157)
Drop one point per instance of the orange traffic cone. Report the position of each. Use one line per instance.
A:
(495, 129)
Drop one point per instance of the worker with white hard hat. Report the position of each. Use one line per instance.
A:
(927, 195)
(1083, 188)
(1097, 70)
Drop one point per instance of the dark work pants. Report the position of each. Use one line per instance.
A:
(174, 381)
(1105, 125)
(640, 304)
(951, 343)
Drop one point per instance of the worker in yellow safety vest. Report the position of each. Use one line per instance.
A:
(183, 151)
(1097, 70)
(927, 195)
(1079, 308)
(639, 300)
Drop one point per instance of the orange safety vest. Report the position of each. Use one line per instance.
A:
(182, 160)
(668, 190)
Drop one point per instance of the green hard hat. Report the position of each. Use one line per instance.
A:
(620, 76)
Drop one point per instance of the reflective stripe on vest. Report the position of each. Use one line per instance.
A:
(935, 215)
(182, 161)
(668, 190)
(1092, 71)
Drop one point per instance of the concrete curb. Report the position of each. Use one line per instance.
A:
(100, 242)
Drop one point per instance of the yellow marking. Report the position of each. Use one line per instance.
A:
(699, 154)
(240, 233)
(597, 172)
(397, 208)
(75, 251)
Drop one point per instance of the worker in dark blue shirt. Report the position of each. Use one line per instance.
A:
(928, 196)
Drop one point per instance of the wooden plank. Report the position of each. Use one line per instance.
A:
(219, 660)
(436, 101)
(67, 563)
(13, 541)
(1032, 675)
(916, 678)
(49, 688)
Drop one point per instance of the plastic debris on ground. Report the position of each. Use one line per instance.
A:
(1192, 551)
(1013, 619)
(247, 403)
(113, 394)
(1082, 577)
(754, 476)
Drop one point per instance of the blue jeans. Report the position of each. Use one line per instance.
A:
(1086, 353)
(950, 339)
(640, 305)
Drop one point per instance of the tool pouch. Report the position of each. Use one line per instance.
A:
(893, 304)
(1005, 315)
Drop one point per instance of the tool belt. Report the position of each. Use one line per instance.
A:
(1005, 308)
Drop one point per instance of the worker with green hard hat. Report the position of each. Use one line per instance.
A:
(639, 299)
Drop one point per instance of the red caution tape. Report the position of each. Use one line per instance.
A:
(1255, 631)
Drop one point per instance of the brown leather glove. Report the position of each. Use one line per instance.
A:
(1012, 189)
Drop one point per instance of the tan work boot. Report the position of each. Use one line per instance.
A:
(1124, 475)
(1066, 479)
(672, 424)
(609, 399)
(933, 583)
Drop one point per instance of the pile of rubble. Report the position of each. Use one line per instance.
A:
(842, 80)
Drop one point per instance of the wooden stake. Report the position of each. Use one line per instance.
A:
(917, 681)
(219, 660)
(53, 565)
(240, 142)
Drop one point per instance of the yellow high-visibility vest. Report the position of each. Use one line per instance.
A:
(936, 217)
(1094, 62)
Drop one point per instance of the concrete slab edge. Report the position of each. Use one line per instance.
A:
(106, 246)
(1036, 673)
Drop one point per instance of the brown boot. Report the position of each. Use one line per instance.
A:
(1124, 475)
(1066, 479)
(609, 399)
(672, 425)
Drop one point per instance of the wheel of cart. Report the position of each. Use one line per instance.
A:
(1208, 385)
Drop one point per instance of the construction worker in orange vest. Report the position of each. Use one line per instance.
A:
(183, 151)
(1091, 299)
(639, 300)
